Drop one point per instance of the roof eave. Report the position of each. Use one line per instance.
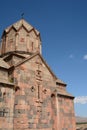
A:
(65, 95)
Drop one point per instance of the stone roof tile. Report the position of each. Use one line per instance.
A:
(65, 94)
(21, 22)
(60, 81)
(3, 64)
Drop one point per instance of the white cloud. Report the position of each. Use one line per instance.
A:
(85, 57)
(81, 100)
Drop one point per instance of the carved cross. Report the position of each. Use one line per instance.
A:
(38, 91)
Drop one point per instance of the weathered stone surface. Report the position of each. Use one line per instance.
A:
(31, 96)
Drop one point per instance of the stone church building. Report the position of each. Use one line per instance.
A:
(31, 96)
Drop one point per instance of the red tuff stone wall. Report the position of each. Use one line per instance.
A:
(6, 107)
(66, 113)
(34, 104)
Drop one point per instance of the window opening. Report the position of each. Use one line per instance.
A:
(32, 89)
(3, 113)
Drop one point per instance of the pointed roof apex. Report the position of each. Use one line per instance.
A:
(19, 23)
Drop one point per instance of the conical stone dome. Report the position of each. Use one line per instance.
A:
(21, 37)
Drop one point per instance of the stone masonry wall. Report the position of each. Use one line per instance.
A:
(66, 113)
(6, 107)
(3, 75)
(34, 105)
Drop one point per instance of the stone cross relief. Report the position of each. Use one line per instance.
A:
(38, 92)
(39, 80)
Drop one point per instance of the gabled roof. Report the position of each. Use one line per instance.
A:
(65, 94)
(3, 64)
(59, 81)
(13, 53)
(32, 56)
(20, 23)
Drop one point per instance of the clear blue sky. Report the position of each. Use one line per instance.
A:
(63, 28)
